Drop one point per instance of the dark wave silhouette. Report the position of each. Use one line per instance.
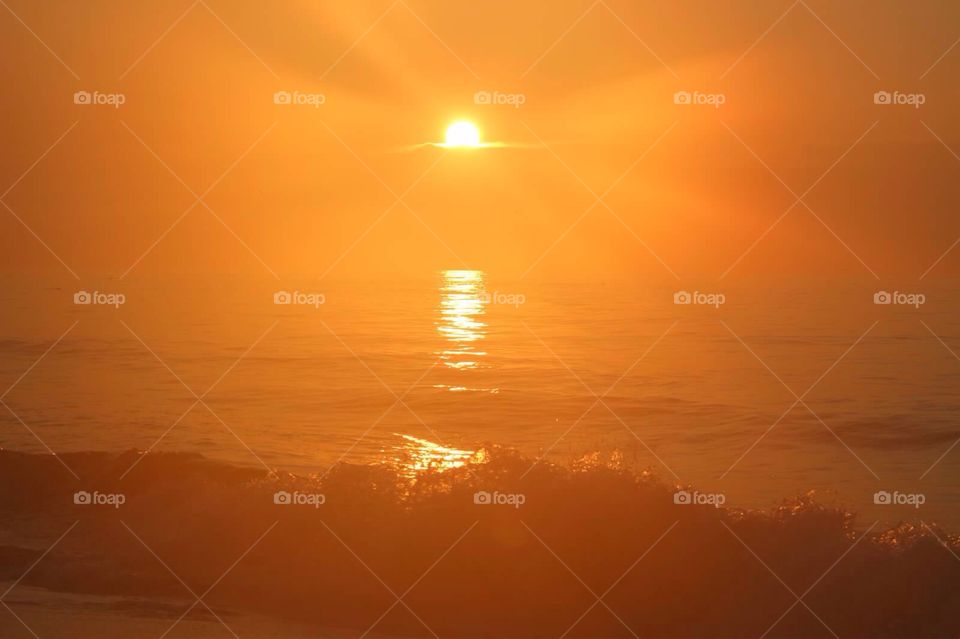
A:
(584, 531)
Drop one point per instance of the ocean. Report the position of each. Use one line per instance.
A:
(757, 392)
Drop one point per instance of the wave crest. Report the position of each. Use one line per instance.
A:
(468, 559)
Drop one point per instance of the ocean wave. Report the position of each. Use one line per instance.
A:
(484, 543)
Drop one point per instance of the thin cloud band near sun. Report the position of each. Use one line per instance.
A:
(465, 135)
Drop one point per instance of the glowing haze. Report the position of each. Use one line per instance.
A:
(594, 102)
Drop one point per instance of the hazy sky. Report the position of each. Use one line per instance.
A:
(598, 83)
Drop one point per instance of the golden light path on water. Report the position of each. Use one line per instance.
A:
(418, 455)
(460, 323)
(462, 307)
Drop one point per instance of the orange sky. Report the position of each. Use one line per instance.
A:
(394, 75)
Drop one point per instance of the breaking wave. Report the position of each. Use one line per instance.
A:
(591, 550)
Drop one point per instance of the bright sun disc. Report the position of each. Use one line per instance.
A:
(463, 134)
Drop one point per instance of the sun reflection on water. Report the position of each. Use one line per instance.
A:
(415, 455)
(461, 318)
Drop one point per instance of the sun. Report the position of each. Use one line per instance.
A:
(462, 134)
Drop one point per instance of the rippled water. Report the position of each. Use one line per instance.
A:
(408, 370)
